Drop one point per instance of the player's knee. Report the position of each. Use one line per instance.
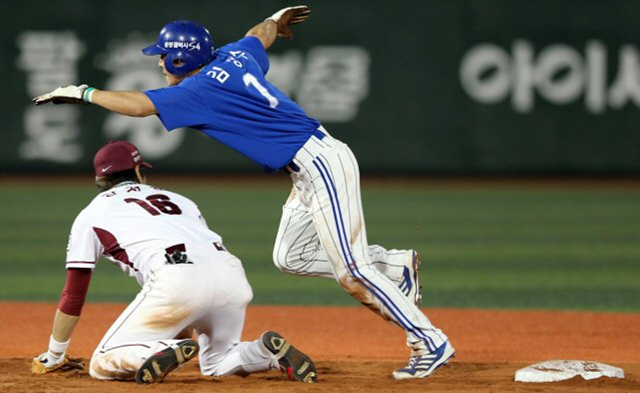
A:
(246, 293)
(296, 259)
(282, 259)
(104, 366)
(278, 258)
(210, 368)
(218, 371)
(97, 369)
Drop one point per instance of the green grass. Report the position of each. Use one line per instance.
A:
(483, 246)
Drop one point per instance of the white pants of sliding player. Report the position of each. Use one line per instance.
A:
(326, 203)
(209, 296)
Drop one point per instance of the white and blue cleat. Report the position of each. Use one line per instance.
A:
(421, 366)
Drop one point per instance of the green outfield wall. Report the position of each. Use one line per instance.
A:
(414, 86)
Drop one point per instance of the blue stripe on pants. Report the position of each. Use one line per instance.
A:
(348, 255)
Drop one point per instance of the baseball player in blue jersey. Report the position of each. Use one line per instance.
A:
(224, 93)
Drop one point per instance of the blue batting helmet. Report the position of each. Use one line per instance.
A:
(186, 44)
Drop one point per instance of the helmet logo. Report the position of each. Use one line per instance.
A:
(189, 46)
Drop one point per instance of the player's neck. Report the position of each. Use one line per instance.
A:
(126, 183)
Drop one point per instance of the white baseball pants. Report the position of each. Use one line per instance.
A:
(323, 221)
(209, 296)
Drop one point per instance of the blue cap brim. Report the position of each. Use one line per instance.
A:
(153, 50)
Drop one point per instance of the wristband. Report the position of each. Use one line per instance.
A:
(276, 17)
(88, 94)
(56, 346)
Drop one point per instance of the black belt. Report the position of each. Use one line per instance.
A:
(177, 254)
(292, 167)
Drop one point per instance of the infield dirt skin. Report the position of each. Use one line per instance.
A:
(355, 350)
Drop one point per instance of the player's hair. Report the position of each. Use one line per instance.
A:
(105, 183)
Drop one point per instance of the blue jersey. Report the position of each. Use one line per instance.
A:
(231, 101)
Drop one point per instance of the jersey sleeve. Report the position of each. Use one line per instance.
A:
(179, 106)
(75, 290)
(84, 248)
(254, 46)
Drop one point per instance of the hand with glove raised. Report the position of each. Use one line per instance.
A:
(289, 16)
(67, 95)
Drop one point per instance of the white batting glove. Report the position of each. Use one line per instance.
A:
(66, 95)
(289, 16)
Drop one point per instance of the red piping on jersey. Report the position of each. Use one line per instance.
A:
(75, 291)
(112, 247)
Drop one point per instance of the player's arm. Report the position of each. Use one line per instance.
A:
(277, 25)
(71, 302)
(65, 320)
(129, 103)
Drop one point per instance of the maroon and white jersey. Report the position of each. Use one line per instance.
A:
(133, 225)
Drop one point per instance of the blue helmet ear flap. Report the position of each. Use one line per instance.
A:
(177, 63)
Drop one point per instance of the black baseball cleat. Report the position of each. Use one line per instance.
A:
(162, 363)
(293, 363)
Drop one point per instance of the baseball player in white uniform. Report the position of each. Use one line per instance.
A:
(190, 284)
(224, 93)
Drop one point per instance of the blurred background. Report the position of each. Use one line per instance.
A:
(498, 137)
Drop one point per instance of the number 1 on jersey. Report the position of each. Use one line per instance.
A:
(250, 80)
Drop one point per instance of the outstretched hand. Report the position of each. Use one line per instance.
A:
(289, 16)
(47, 363)
(64, 95)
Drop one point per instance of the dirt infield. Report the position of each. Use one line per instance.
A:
(355, 351)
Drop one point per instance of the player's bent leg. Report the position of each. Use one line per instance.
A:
(161, 363)
(422, 364)
(270, 352)
(296, 365)
(122, 362)
(222, 353)
(297, 248)
(338, 215)
(331, 183)
(400, 266)
(149, 324)
(220, 330)
(221, 350)
(103, 365)
(431, 348)
(367, 285)
(241, 359)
